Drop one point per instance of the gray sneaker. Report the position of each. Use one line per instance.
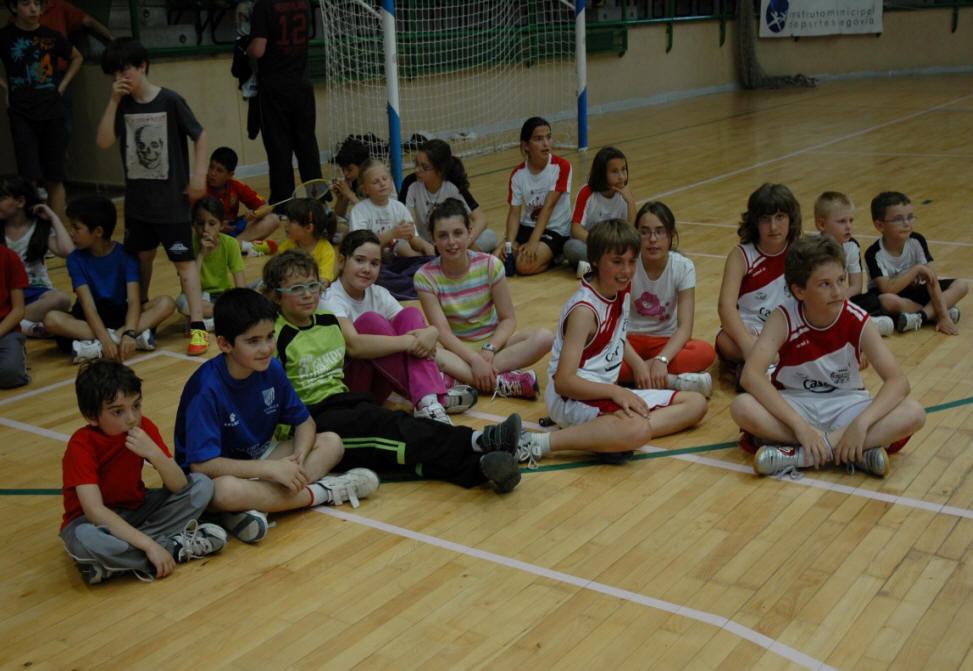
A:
(85, 350)
(875, 460)
(953, 312)
(460, 398)
(501, 469)
(908, 321)
(250, 526)
(777, 459)
(197, 540)
(350, 486)
(528, 450)
(884, 325)
(701, 382)
(502, 437)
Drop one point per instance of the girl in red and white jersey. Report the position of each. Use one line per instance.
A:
(605, 196)
(753, 278)
(539, 195)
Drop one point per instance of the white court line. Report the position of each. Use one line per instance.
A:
(806, 150)
(755, 637)
(30, 428)
(965, 157)
(807, 481)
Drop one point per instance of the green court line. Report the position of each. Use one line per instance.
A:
(541, 469)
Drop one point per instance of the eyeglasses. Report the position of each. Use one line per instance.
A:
(901, 221)
(423, 168)
(312, 287)
(649, 233)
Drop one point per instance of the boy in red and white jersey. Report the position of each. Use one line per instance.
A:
(815, 409)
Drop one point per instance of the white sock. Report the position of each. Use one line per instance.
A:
(426, 400)
(319, 494)
(543, 440)
(474, 441)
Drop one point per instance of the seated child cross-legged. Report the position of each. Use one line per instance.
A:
(815, 408)
(225, 423)
(663, 300)
(582, 395)
(834, 215)
(310, 226)
(311, 348)
(257, 222)
(902, 273)
(107, 320)
(218, 258)
(389, 348)
(112, 524)
(753, 277)
(466, 297)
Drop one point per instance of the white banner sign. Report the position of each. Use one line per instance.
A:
(787, 18)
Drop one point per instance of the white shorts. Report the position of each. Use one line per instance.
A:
(569, 412)
(828, 412)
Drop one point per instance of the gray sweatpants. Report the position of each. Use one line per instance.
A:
(163, 515)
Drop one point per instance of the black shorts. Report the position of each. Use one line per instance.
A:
(919, 293)
(112, 316)
(868, 302)
(143, 236)
(554, 241)
(39, 146)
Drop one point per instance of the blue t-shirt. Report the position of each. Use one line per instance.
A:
(105, 276)
(220, 416)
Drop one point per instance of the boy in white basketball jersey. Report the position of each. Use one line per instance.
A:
(582, 393)
(815, 409)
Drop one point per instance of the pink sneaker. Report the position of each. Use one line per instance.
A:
(517, 383)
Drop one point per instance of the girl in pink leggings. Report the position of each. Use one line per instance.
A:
(389, 347)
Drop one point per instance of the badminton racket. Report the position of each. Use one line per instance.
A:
(318, 189)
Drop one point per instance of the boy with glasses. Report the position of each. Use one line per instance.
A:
(901, 270)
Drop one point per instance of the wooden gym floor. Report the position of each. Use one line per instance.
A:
(682, 559)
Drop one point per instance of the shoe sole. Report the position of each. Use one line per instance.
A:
(501, 469)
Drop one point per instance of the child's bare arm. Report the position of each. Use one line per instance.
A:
(127, 345)
(105, 136)
(239, 279)
(513, 223)
(529, 248)
(197, 185)
(894, 285)
(285, 472)
(60, 243)
(76, 61)
(99, 514)
(730, 317)
(141, 443)
(855, 284)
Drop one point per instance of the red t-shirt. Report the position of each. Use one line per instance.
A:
(12, 276)
(236, 192)
(92, 458)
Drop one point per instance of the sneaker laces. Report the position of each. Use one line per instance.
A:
(789, 472)
(527, 450)
(189, 543)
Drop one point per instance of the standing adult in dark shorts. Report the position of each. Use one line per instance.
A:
(279, 32)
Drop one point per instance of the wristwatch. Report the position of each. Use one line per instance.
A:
(130, 333)
(489, 347)
(663, 359)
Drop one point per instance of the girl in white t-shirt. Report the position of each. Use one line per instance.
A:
(605, 196)
(31, 229)
(440, 175)
(389, 347)
(662, 306)
(539, 220)
(403, 251)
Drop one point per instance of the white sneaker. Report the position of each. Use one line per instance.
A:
(460, 398)
(884, 325)
(85, 350)
(249, 88)
(350, 486)
(528, 450)
(435, 412)
(583, 269)
(145, 341)
(197, 541)
(954, 314)
(250, 526)
(209, 324)
(33, 329)
(701, 382)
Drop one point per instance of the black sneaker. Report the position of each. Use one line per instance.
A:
(504, 437)
(93, 573)
(501, 469)
(614, 458)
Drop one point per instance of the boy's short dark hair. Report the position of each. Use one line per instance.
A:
(225, 157)
(94, 211)
(101, 381)
(12, 4)
(806, 254)
(612, 235)
(310, 211)
(883, 201)
(238, 310)
(210, 204)
(828, 202)
(122, 52)
(285, 264)
(356, 239)
(351, 152)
